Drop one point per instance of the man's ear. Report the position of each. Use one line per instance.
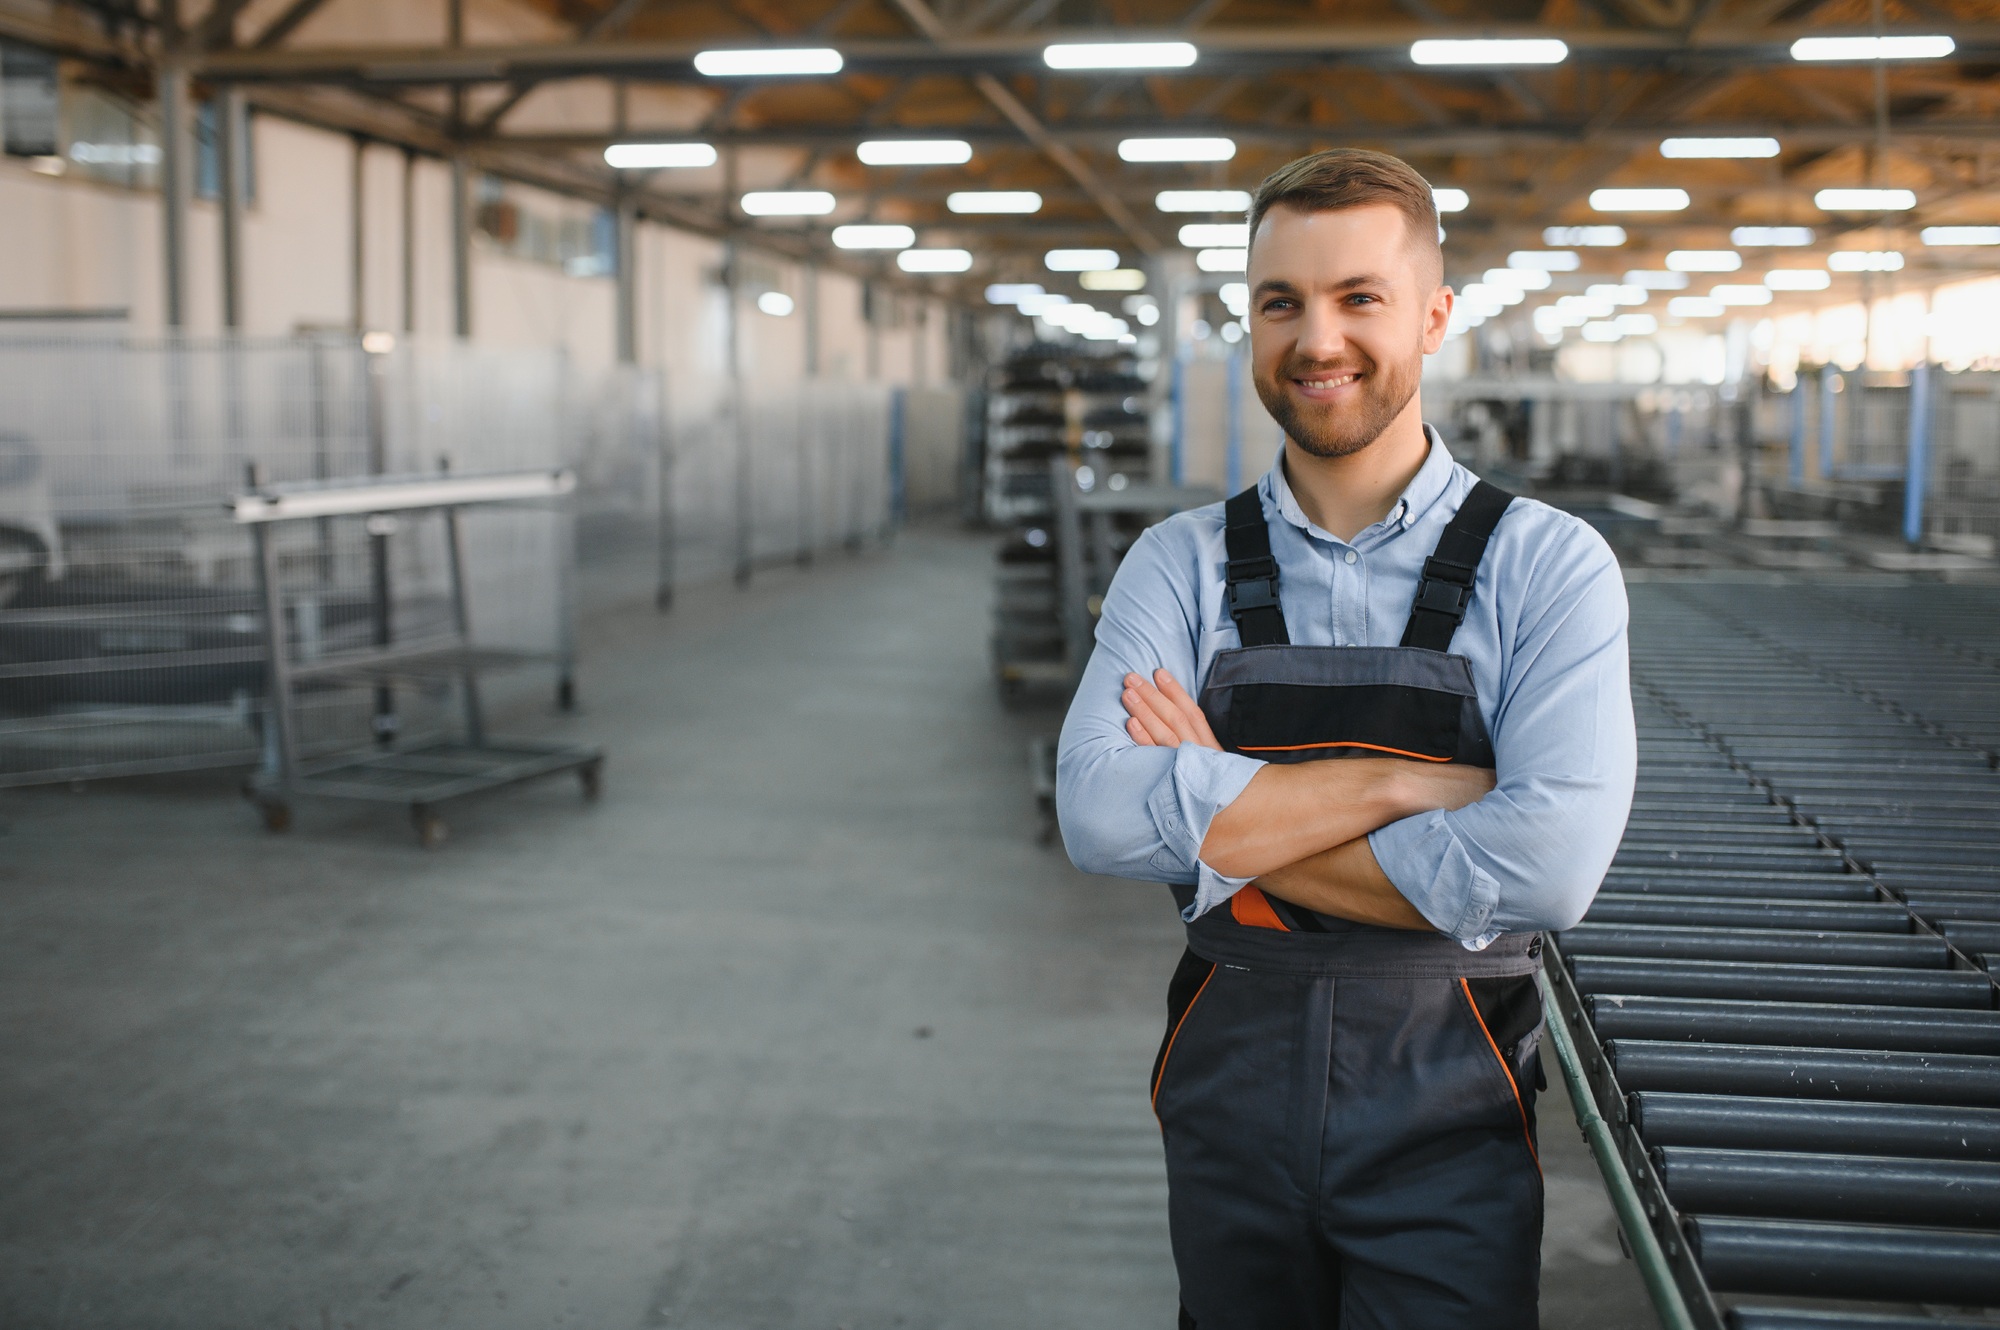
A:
(1437, 318)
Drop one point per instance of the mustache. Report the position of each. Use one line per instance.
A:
(1312, 369)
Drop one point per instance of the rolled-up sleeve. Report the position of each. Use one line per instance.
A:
(1531, 854)
(1127, 810)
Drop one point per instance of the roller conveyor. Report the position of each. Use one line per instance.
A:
(1779, 1004)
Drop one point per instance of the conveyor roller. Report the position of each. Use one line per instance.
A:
(1917, 1131)
(1859, 1188)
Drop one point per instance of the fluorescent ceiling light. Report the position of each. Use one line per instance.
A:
(1657, 281)
(1590, 237)
(871, 236)
(1119, 55)
(1798, 279)
(1873, 48)
(1114, 279)
(1486, 293)
(1012, 293)
(1961, 235)
(1222, 260)
(775, 303)
(658, 156)
(1177, 150)
(1041, 304)
(1603, 331)
(768, 62)
(1743, 294)
(914, 152)
(1235, 297)
(1619, 293)
(788, 203)
(1202, 200)
(1865, 260)
(1216, 235)
(1081, 260)
(1451, 200)
(1488, 51)
(1521, 279)
(1636, 325)
(1865, 200)
(1639, 200)
(1589, 307)
(1704, 260)
(1700, 147)
(1548, 260)
(1756, 236)
(934, 260)
(994, 200)
(1696, 307)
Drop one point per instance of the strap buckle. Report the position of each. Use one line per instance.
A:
(1252, 584)
(1445, 588)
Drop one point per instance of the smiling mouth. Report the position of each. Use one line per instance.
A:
(1328, 382)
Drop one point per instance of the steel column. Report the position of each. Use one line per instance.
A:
(626, 217)
(461, 245)
(233, 143)
(176, 182)
(1917, 477)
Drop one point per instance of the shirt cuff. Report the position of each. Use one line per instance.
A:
(1201, 783)
(1425, 861)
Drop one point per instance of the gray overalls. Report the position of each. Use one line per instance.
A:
(1349, 1110)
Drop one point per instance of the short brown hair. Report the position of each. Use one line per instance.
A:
(1342, 178)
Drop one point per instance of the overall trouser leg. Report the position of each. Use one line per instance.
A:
(1351, 1152)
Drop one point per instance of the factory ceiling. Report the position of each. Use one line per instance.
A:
(542, 95)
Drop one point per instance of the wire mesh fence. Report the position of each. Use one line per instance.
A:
(130, 636)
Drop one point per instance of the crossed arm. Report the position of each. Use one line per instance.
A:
(1302, 830)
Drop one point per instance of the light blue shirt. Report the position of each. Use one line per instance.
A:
(1544, 632)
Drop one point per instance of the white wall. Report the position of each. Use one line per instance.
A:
(73, 243)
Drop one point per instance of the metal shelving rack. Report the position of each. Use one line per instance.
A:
(422, 775)
(1054, 415)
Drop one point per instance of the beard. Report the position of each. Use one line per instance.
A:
(1328, 431)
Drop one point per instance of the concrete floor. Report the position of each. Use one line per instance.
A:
(798, 1027)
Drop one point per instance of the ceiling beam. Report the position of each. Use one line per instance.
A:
(1410, 138)
(1223, 50)
(1004, 101)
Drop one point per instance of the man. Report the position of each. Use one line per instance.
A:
(1346, 1086)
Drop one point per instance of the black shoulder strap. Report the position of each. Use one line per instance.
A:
(1252, 573)
(1446, 585)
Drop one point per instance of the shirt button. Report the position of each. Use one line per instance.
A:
(1352, 556)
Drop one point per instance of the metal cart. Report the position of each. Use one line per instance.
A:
(421, 775)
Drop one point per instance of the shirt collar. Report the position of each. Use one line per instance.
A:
(1424, 489)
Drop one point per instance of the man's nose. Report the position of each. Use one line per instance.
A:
(1321, 336)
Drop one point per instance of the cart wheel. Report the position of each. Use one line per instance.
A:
(431, 829)
(591, 776)
(277, 816)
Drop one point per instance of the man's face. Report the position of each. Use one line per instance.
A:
(1343, 310)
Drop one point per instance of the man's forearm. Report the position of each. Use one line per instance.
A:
(1346, 883)
(1289, 813)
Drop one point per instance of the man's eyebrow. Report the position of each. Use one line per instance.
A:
(1279, 286)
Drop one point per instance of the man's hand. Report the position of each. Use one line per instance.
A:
(1162, 715)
